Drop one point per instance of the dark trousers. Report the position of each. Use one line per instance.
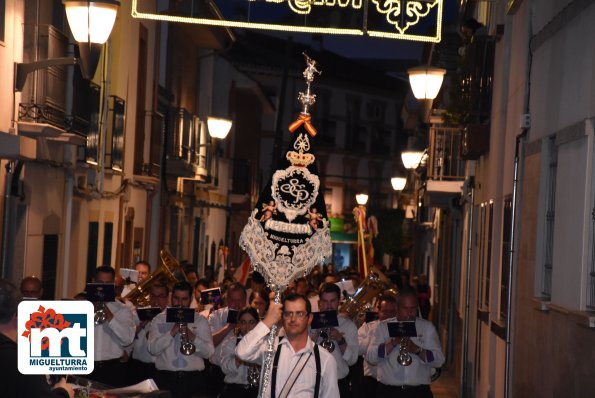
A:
(345, 388)
(111, 373)
(215, 376)
(138, 371)
(181, 384)
(383, 391)
(238, 391)
(369, 386)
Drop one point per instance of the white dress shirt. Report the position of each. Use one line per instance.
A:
(364, 336)
(167, 348)
(217, 320)
(349, 357)
(252, 349)
(233, 374)
(390, 372)
(111, 337)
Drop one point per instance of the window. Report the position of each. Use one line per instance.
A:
(506, 256)
(108, 233)
(591, 288)
(115, 134)
(93, 138)
(546, 254)
(92, 247)
(2, 16)
(486, 219)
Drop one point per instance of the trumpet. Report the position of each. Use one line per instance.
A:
(326, 342)
(186, 346)
(100, 315)
(404, 357)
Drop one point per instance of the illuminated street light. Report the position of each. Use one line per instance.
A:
(218, 127)
(361, 199)
(398, 183)
(425, 81)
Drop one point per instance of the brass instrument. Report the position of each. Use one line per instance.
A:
(139, 296)
(186, 346)
(326, 342)
(371, 287)
(253, 376)
(404, 357)
(100, 315)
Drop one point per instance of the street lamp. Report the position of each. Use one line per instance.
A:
(361, 199)
(425, 81)
(398, 183)
(218, 127)
(91, 23)
(360, 217)
(411, 158)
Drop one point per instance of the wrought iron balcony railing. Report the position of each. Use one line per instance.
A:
(444, 161)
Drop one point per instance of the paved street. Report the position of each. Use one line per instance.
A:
(446, 386)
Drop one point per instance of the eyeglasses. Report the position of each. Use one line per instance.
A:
(297, 314)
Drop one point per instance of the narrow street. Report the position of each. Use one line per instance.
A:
(446, 386)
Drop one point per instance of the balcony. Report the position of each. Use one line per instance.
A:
(43, 106)
(446, 167)
(477, 79)
(188, 146)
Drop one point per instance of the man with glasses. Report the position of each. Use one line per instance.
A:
(300, 369)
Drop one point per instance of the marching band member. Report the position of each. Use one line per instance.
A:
(112, 336)
(220, 328)
(387, 308)
(344, 336)
(296, 355)
(142, 362)
(182, 374)
(394, 378)
(241, 378)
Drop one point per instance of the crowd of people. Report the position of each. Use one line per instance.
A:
(218, 351)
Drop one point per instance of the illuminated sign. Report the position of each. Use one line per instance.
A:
(418, 20)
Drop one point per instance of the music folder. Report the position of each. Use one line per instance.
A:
(371, 316)
(232, 316)
(324, 319)
(402, 329)
(105, 292)
(148, 313)
(210, 296)
(179, 315)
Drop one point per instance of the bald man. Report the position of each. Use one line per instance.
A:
(31, 288)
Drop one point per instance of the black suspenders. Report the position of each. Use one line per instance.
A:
(276, 364)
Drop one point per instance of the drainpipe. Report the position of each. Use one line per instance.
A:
(8, 224)
(471, 202)
(68, 187)
(513, 231)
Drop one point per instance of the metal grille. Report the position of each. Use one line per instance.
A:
(550, 216)
(445, 161)
(506, 253)
(591, 298)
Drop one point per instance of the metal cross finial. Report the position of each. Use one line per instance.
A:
(308, 99)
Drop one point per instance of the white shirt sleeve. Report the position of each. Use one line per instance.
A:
(122, 324)
(251, 347)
